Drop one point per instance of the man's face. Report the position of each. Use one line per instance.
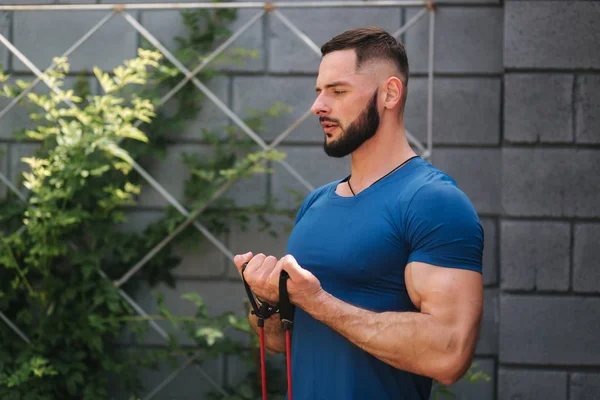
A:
(346, 104)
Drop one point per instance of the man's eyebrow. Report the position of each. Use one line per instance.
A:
(334, 84)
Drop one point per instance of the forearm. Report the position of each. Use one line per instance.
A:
(274, 335)
(410, 341)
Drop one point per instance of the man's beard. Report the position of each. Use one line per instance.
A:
(359, 131)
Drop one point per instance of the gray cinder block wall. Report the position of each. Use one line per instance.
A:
(516, 123)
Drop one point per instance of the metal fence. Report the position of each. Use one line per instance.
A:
(264, 8)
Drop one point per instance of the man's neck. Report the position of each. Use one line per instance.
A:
(378, 156)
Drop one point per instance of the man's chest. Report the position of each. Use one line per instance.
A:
(357, 254)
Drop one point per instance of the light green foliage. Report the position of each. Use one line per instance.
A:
(80, 184)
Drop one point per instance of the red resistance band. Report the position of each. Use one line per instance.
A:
(263, 311)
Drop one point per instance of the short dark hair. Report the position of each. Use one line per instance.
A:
(371, 43)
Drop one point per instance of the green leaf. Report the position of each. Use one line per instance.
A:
(210, 334)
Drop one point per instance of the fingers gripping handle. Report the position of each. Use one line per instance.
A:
(261, 309)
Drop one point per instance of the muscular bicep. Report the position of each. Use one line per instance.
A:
(452, 296)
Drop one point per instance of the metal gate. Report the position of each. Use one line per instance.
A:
(121, 10)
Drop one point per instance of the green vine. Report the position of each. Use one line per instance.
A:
(81, 185)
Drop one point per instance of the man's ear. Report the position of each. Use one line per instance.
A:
(393, 92)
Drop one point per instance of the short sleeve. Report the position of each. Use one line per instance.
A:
(442, 228)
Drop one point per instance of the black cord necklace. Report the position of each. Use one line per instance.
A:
(404, 162)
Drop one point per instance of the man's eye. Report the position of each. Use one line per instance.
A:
(339, 91)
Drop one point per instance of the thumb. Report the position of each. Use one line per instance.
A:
(290, 265)
(241, 259)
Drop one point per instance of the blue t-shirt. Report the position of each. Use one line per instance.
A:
(358, 248)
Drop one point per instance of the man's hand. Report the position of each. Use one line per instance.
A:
(261, 274)
(302, 285)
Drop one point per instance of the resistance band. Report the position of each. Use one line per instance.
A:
(263, 311)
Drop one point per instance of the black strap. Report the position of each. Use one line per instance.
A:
(286, 308)
(265, 310)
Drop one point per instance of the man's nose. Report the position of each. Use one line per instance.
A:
(319, 108)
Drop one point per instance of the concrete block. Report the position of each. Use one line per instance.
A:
(549, 330)
(535, 255)
(252, 39)
(211, 291)
(538, 108)
(488, 333)
(172, 166)
(550, 182)
(584, 386)
(467, 40)
(583, 193)
(210, 117)
(42, 36)
(477, 172)
(536, 181)
(138, 220)
(189, 384)
(261, 93)
(586, 256)
(199, 257)
(490, 252)
(166, 25)
(587, 109)
(314, 165)
(288, 53)
(257, 242)
(164, 172)
(482, 390)
(531, 384)
(542, 34)
(465, 110)
(249, 191)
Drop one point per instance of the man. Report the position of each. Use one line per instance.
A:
(385, 265)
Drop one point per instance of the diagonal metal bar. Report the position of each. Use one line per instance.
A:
(410, 23)
(172, 235)
(14, 327)
(181, 368)
(208, 59)
(207, 5)
(208, 93)
(159, 188)
(298, 32)
(139, 310)
(12, 187)
(31, 66)
(70, 50)
(172, 376)
(290, 129)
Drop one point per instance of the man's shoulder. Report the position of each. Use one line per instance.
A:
(431, 188)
